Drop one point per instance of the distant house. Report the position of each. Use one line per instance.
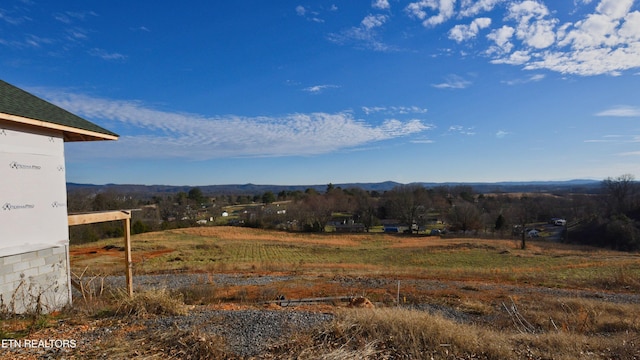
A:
(34, 228)
(349, 226)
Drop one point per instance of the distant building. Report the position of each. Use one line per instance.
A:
(34, 228)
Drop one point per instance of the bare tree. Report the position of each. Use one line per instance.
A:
(465, 216)
(523, 213)
(316, 211)
(621, 192)
(409, 203)
(365, 207)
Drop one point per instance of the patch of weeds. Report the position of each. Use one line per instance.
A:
(201, 294)
(150, 302)
(40, 322)
(269, 293)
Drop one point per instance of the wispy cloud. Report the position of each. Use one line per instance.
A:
(422, 141)
(69, 17)
(621, 111)
(617, 139)
(13, 19)
(152, 133)
(141, 28)
(103, 54)
(365, 35)
(531, 78)
(317, 89)
(37, 41)
(501, 134)
(309, 14)
(394, 110)
(459, 129)
(453, 82)
(630, 153)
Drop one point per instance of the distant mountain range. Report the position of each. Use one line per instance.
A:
(570, 186)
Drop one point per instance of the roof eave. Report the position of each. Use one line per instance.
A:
(70, 134)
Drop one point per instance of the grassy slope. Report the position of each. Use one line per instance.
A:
(232, 249)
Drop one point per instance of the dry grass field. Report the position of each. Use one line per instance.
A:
(243, 250)
(440, 298)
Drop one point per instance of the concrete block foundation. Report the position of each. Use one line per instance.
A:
(35, 281)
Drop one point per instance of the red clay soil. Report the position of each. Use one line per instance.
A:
(92, 252)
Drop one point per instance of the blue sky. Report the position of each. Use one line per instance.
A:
(313, 92)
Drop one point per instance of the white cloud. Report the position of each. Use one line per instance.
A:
(453, 82)
(502, 38)
(381, 4)
(319, 88)
(443, 9)
(461, 33)
(621, 111)
(364, 35)
(606, 41)
(373, 21)
(152, 133)
(630, 29)
(300, 10)
(474, 7)
(501, 134)
(533, 28)
(516, 58)
(614, 9)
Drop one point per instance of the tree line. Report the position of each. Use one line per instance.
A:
(610, 218)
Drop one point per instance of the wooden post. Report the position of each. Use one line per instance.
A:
(128, 261)
(125, 215)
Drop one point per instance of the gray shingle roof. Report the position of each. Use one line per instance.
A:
(17, 102)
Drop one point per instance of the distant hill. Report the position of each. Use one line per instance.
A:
(570, 186)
